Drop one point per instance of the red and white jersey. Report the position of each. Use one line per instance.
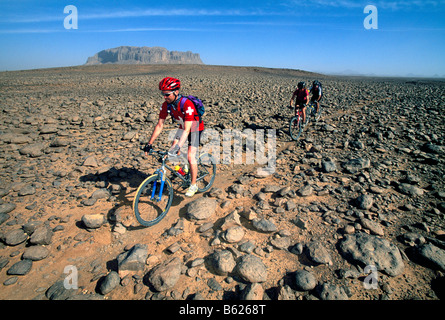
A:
(189, 114)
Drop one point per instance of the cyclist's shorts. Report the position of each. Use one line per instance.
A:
(300, 104)
(195, 138)
(314, 98)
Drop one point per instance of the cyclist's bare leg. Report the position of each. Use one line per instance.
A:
(191, 157)
(304, 113)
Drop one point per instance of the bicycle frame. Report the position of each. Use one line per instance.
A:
(162, 171)
(310, 107)
(299, 113)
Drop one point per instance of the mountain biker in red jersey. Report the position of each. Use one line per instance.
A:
(190, 126)
(302, 97)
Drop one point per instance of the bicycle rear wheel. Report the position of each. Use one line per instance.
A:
(149, 206)
(295, 128)
(206, 172)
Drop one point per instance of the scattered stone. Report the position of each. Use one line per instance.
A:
(33, 150)
(173, 247)
(285, 293)
(328, 166)
(27, 191)
(305, 191)
(36, 253)
(372, 226)
(164, 276)
(58, 291)
(101, 194)
(364, 201)
(234, 234)
(317, 253)
(332, 292)
(7, 208)
(109, 283)
(15, 237)
(214, 285)
(41, 236)
(410, 190)
(222, 262)
(90, 162)
(264, 225)
(433, 255)
(253, 291)
(304, 280)
(177, 228)
(251, 269)
(93, 221)
(201, 208)
(4, 217)
(281, 243)
(301, 223)
(132, 260)
(20, 268)
(412, 239)
(372, 250)
(355, 165)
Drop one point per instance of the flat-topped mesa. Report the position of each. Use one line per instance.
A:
(143, 55)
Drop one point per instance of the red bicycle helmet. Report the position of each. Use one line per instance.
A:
(169, 84)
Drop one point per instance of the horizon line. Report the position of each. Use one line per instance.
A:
(329, 73)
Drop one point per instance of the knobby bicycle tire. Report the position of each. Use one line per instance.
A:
(308, 118)
(317, 115)
(295, 128)
(149, 211)
(206, 172)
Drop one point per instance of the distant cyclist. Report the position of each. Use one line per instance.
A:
(302, 97)
(317, 94)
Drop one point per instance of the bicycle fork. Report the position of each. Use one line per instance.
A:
(161, 172)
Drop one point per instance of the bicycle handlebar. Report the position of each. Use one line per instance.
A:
(161, 153)
(165, 154)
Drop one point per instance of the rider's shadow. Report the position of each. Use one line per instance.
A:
(117, 182)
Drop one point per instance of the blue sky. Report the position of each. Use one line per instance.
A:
(320, 35)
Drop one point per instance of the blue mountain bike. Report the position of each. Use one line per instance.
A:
(155, 194)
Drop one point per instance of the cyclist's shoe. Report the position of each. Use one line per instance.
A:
(192, 190)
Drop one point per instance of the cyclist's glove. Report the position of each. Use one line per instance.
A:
(148, 148)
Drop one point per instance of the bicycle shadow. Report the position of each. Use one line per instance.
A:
(116, 182)
(120, 183)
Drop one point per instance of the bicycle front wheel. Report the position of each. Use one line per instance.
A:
(206, 172)
(295, 128)
(318, 114)
(150, 205)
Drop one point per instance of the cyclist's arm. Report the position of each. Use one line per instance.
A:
(292, 99)
(157, 130)
(185, 133)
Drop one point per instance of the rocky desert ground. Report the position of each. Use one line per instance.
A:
(354, 209)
